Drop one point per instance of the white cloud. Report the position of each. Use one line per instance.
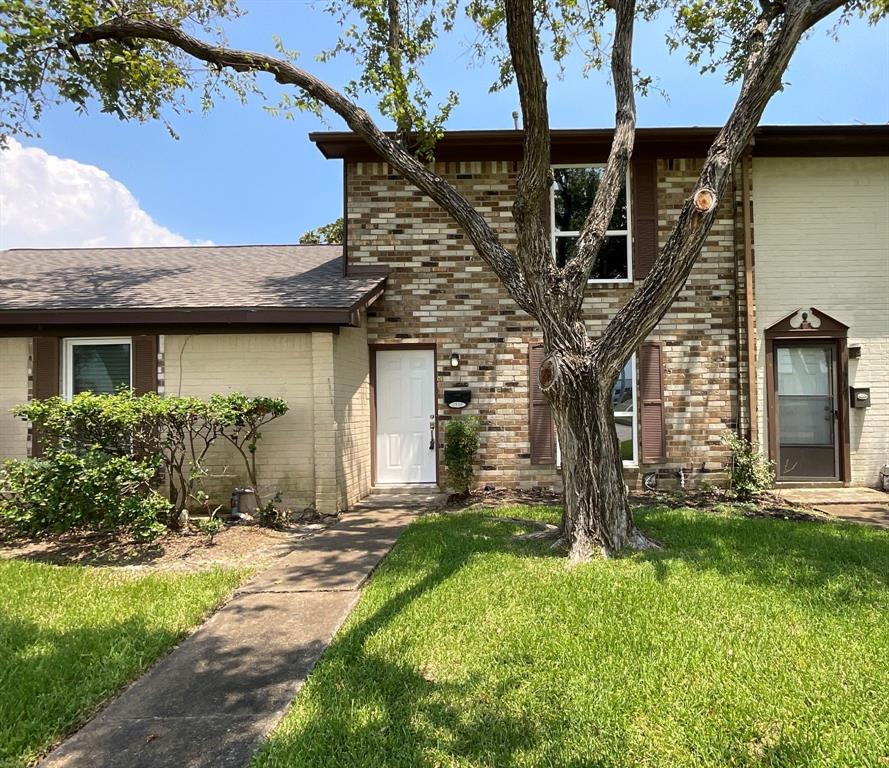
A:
(50, 202)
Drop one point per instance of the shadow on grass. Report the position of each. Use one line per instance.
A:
(787, 555)
(365, 708)
(53, 680)
(410, 716)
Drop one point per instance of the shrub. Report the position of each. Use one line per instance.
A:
(89, 489)
(240, 419)
(750, 473)
(461, 443)
(175, 432)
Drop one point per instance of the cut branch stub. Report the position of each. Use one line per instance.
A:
(704, 200)
(548, 373)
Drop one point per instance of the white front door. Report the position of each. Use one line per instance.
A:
(405, 389)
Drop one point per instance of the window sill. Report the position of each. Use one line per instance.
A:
(609, 282)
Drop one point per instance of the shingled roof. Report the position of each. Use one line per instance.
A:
(253, 283)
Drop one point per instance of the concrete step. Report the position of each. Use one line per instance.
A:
(414, 489)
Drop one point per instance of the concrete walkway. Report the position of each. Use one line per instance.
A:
(867, 506)
(213, 699)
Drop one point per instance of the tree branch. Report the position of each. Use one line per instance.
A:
(479, 232)
(592, 236)
(651, 300)
(533, 252)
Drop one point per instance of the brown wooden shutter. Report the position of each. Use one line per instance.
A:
(651, 397)
(46, 364)
(643, 187)
(144, 364)
(540, 418)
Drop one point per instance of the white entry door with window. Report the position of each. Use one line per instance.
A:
(405, 400)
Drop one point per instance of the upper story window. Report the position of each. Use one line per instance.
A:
(572, 193)
(100, 366)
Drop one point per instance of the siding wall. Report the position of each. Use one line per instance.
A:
(822, 240)
(14, 361)
(352, 414)
(278, 365)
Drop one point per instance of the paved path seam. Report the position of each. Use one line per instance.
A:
(211, 701)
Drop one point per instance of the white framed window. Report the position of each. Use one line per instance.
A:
(98, 365)
(623, 398)
(571, 197)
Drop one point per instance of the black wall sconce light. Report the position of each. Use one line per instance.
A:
(455, 360)
(854, 352)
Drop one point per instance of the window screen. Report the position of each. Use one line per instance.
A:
(101, 368)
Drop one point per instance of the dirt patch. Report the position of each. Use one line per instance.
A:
(714, 500)
(235, 546)
(504, 497)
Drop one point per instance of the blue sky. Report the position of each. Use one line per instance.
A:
(239, 175)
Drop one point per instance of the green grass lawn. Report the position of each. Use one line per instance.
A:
(70, 637)
(746, 642)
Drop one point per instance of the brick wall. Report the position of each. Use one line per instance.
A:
(273, 364)
(351, 414)
(14, 382)
(440, 291)
(822, 240)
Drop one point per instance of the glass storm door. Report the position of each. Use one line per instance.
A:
(805, 377)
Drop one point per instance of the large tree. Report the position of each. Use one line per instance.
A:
(137, 57)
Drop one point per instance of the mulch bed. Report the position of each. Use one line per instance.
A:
(235, 546)
(768, 505)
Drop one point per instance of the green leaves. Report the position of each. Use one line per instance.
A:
(324, 235)
(461, 444)
(40, 64)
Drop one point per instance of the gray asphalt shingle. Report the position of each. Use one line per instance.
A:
(266, 276)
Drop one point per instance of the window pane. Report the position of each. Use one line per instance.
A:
(564, 249)
(611, 263)
(575, 189)
(622, 394)
(99, 368)
(624, 427)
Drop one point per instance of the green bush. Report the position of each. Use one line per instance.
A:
(90, 489)
(172, 434)
(461, 443)
(750, 472)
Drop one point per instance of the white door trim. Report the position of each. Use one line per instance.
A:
(406, 429)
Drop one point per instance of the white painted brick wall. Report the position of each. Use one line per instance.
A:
(822, 240)
(352, 414)
(276, 365)
(13, 391)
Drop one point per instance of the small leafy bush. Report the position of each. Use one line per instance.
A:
(210, 527)
(90, 489)
(750, 472)
(461, 444)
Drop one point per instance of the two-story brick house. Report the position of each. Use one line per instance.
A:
(377, 344)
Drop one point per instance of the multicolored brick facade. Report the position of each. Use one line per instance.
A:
(440, 291)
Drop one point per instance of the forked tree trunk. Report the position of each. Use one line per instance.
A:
(597, 517)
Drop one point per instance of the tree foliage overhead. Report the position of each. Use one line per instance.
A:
(43, 60)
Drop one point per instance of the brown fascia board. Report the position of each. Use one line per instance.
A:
(173, 317)
(576, 145)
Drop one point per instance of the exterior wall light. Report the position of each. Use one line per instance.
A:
(455, 360)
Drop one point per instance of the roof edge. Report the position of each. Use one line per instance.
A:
(770, 140)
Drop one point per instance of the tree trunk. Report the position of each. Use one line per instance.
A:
(597, 517)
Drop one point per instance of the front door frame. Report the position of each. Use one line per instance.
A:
(789, 331)
(382, 347)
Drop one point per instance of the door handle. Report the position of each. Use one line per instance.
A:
(431, 437)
